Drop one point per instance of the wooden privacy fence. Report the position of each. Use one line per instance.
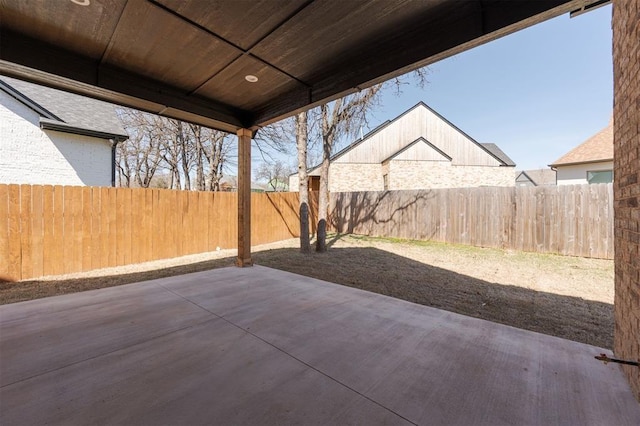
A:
(51, 230)
(574, 220)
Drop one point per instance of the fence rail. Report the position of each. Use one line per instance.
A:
(574, 220)
(51, 230)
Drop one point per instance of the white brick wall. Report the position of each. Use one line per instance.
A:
(29, 155)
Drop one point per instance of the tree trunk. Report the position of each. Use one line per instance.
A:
(323, 197)
(301, 143)
(184, 150)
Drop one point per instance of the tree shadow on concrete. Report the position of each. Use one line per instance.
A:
(386, 273)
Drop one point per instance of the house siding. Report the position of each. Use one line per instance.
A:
(437, 174)
(419, 122)
(29, 155)
(577, 173)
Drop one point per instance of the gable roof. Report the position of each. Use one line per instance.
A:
(436, 150)
(66, 112)
(598, 147)
(539, 177)
(492, 149)
(498, 153)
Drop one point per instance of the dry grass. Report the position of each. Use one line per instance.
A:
(568, 297)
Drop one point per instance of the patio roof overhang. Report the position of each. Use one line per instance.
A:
(191, 60)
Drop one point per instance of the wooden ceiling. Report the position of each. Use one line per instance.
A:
(189, 59)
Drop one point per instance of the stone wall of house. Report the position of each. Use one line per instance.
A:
(626, 186)
(29, 155)
(440, 174)
(405, 174)
(352, 177)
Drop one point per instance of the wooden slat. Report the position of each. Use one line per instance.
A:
(4, 233)
(25, 232)
(137, 223)
(120, 242)
(87, 241)
(76, 193)
(112, 227)
(15, 243)
(127, 227)
(37, 230)
(147, 236)
(105, 247)
(97, 233)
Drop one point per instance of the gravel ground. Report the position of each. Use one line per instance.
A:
(568, 297)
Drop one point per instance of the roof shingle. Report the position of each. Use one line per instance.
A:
(599, 147)
(70, 109)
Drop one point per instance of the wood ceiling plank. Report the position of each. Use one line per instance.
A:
(156, 44)
(242, 22)
(330, 28)
(230, 86)
(81, 29)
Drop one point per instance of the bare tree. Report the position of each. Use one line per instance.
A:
(216, 151)
(139, 157)
(275, 174)
(157, 143)
(343, 116)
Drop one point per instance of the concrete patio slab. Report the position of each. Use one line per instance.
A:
(261, 346)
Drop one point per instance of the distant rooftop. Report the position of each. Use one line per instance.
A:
(599, 147)
(540, 177)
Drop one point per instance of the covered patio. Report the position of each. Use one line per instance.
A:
(262, 346)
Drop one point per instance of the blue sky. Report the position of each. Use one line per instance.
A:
(536, 93)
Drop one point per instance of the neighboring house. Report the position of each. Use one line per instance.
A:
(52, 137)
(539, 177)
(419, 149)
(589, 162)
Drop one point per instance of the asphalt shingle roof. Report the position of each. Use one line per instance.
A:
(598, 147)
(497, 152)
(70, 109)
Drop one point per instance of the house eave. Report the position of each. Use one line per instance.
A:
(47, 124)
(577, 163)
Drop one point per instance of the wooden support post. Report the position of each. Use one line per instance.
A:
(244, 198)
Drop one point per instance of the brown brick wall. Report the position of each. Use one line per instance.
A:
(626, 75)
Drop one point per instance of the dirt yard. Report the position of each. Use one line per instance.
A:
(568, 297)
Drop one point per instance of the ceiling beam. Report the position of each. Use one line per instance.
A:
(33, 60)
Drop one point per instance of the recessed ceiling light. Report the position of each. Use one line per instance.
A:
(82, 2)
(251, 78)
